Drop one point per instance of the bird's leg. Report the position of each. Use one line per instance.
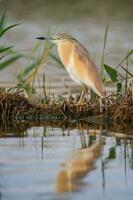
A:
(69, 95)
(102, 105)
(86, 91)
(100, 100)
(82, 96)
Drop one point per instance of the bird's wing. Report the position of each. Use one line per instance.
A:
(89, 70)
(83, 54)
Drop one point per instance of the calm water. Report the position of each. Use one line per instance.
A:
(49, 163)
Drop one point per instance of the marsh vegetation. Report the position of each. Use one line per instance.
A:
(118, 105)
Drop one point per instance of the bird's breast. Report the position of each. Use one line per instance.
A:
(72, 70)
(67, 58)
(65, 51)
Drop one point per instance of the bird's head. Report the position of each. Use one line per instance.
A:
(58, 38)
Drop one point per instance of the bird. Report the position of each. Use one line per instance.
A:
(78, 63)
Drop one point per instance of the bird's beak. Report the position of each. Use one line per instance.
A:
(45, 38)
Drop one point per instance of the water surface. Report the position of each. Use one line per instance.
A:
(52, 163)
(85, 20)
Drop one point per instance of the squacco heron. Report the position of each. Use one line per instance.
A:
(78, 63)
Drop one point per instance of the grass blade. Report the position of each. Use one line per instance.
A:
(6, 29)
(27, 70)
(2, 22)
(103, 53)
(111, 72)
(128, 55)
(56, 59)
(126, 71)
(6, 63)
(3, 49)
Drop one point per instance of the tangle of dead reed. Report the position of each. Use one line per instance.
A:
(17, 107)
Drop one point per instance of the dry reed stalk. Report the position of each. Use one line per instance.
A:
(17, 106)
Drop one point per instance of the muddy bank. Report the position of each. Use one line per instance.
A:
(17, 107)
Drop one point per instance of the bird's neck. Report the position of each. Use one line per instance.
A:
(65, 50)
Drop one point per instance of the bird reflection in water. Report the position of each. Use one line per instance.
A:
(83, 161)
